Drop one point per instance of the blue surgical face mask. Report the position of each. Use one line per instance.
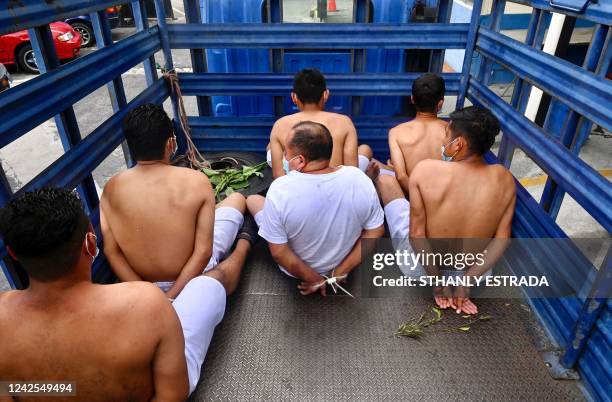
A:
(443, 149)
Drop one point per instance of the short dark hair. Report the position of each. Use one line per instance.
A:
(309, 85)
(45, 229)
(427, 91)
(147, 129)
(313, 140)
(478, 126)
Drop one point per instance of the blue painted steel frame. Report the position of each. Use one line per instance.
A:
(317, 36)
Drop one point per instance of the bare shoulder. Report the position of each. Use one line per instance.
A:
(135, 297)
(427, 170)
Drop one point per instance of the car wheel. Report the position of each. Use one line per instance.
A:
(27, 60)
(88, 38)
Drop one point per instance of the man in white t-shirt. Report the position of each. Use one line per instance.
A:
(314, 217)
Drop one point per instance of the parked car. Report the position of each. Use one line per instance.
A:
(16, 47)
(83, 25)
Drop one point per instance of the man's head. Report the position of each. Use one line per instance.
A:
(428, 93)
(471, 131)
(149, 133)
(308, 142)
(309, 88)
(48, 232)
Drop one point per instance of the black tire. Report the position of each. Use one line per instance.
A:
(88, 38)
(257, 185)
(26, 59)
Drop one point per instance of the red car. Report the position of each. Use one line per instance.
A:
(16, 48)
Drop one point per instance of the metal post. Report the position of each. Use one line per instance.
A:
(469, 52)
(444, 13)
(165, 45)
(590, 312)
(275, 16)
(116, 91)
(535, 36)
(198, 56)
(142, 23)
(361, 11)
(497, 12)
(66, 122)
(552, 196)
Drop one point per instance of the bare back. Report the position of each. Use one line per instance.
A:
(415, 141)
(341, 127)
(106, 338)
(153, 213)
(463, 200)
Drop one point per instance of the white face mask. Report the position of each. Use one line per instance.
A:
(287, 169)
(87, 246)
(443, 149)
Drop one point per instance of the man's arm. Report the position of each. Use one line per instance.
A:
(285, 257)
(120, 265)
(203, 243)
(349, 152)
(276, 150)
(418, 218)
(497, 245)
(399, 165)
(170, 378)
(353, 259)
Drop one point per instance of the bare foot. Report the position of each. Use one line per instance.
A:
(466, 306)
(443, 297)
(372, 171)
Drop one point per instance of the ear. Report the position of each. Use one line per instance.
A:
(11, 253)
(439, 106)
(412, 99)
(294, 98)
(325, 96)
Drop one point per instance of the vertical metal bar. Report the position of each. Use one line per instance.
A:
(275, 8)
(361, 9)
(603, 66)
(139, 13)
(165, 45)
(591, 311)
(469, 52)
(497, 13)
(198, 56)
(116, 90)
(444, 13)
(520, 93)
(66, 122)
(552, 196)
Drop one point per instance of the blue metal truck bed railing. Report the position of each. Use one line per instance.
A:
(582, 96)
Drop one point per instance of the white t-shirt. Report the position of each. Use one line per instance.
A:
(320, 216)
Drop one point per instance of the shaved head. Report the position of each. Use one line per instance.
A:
(312, 140)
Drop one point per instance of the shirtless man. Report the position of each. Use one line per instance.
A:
(157, 219)
(459, 197)
(117, 342)
(314, 217)
(422, 137)
(310, 94)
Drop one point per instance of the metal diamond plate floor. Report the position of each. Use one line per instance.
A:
(274, 344)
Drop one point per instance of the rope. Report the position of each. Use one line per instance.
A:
(333, 282)
(195, 158)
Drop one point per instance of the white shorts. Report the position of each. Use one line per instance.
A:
(397, 214)
(200, 307)
(364, 162)
(228, 222)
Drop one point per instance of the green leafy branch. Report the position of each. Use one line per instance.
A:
(415, 328)
(229, 180)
